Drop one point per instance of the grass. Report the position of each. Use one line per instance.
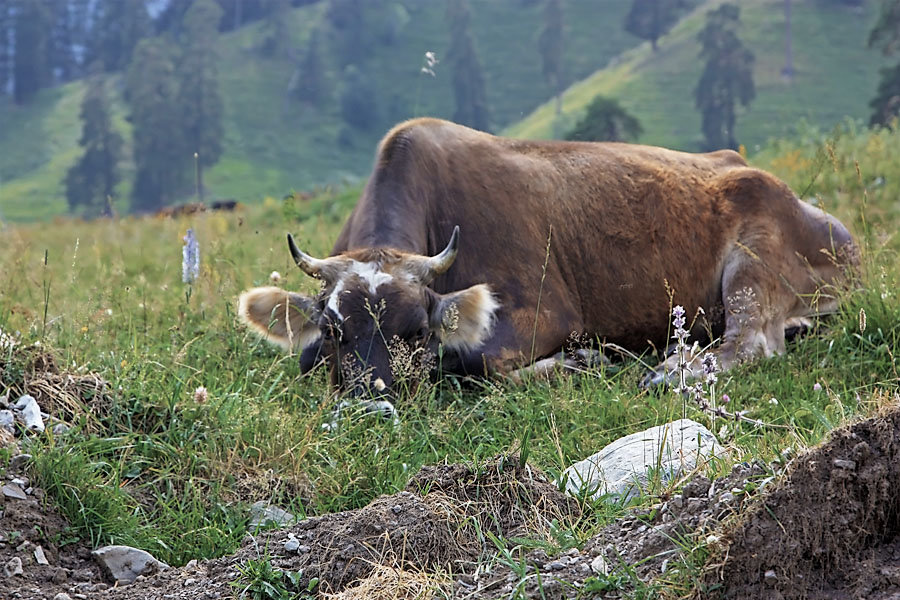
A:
(273, 145)
(172, 472)
(836, 76)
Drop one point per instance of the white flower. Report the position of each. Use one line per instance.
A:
(773, 401)
(275, 277)
(201, 395)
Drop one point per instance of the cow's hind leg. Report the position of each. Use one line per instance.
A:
(757, 305)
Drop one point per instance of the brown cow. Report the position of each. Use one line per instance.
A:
(553, 238)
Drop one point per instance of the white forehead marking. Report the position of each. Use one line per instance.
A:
(367, 272)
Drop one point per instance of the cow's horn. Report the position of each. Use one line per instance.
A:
(441, 262)
(315, 267)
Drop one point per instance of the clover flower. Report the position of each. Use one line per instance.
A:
(190, 258)
(431, 62)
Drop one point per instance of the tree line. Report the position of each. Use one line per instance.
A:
(170, 79)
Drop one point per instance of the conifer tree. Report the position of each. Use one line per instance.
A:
(468, 77)
(310, 84)
(118, 27)
(550, 44)
(276, 28)
(606, 121)
(199, 99)
(91, 182)
(5, 42)
(651, 19)
(727, 78)
(31, 60)
(347, 18)
(886, 35)
(159, 149)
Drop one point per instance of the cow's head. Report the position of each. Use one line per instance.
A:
(374, 304)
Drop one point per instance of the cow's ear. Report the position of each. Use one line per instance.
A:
(463, 319)
(281, 317)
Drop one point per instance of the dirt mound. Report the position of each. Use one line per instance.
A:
(33, 532)
(65, 396)
(641, 544)
(507, 495)
(434, 525)
(828, 530)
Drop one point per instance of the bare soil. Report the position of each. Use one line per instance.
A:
(829, 529)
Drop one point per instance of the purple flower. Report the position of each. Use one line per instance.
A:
(817, 387)
(190, 258)
(710, 367)
(725, 399)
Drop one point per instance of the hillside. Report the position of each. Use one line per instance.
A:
(274, 144)
(836, 76)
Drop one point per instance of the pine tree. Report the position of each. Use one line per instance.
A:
(468, 77)
(310, 75)
(358, 106)
(886, 35)
(652, 19)
(5, 42)
(31, 64)
(199, 99)
(118, 27)
(347, 18)
(91, 182)
(550, 44)
(159, 149)
(62, 57)
(276, 28)
(727, 78)
(606, 121)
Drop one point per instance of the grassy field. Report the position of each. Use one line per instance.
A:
(836, 76)
(274, 145)
(155, 464)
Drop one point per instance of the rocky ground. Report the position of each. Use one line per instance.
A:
(824, 528)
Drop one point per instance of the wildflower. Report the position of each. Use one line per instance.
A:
(710, 367)
(7, 342)
(725, 399)
(275, 277)
(430, 62)
(817, 387)
(773, 401)
(201, 395)
(190, 258)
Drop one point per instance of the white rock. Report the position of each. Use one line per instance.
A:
(40, 557)
(262, 513)
(622, 468)
(60, 429)
(599, 566)
(291, 544)
(123, 563)
(13, 567)
(7, 421)
(62, 596)
(30, 413)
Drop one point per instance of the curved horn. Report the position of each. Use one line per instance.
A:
(441, 262)
(314, 267)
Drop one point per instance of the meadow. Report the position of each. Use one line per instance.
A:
(155, 463)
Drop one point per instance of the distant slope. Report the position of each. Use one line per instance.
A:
(836, 76)
(274, 145)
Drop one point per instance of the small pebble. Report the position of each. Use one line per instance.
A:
(770, 577)
(19, 462)
(40, 557)
(13, 567)
(11, 490)
(599, 566)
(62, 596)
(848, 465)
(292, 544)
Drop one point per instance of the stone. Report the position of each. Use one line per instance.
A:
(770, 577)
(623, 467)
(122, 564)
(11, 490)
(40, 557)
(7, 421)
(13, 567)
(62, 596)
(263, 513)
(19, 462)
(599, 566)
(841, 463)
(292, 544)
(30, 413)
(60, 429)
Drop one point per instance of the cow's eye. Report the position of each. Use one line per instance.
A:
(423, 333)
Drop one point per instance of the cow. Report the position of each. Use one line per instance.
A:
(492, 252)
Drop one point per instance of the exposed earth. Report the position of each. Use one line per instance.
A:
(825, 527)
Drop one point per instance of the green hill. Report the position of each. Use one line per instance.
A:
(274, 144)
(836, 76)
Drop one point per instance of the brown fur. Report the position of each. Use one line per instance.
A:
(626, 224)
